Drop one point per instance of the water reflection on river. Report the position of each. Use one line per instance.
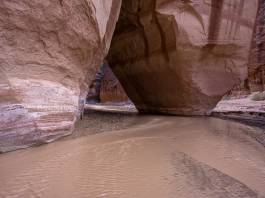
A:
(159, 157)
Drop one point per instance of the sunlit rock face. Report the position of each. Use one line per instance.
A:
(49, 51)
(182, 56)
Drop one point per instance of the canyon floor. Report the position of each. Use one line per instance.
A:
(128, 155)
(243, 110)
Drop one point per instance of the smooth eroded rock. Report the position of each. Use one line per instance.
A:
(50, 50)
(181, 57)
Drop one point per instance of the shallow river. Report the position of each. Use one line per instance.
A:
(156, 157)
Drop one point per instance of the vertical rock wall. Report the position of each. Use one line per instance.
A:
(111, 89)
(106, 88)
(181, 57)
(93, 95)
(257, 56)
(50, 50)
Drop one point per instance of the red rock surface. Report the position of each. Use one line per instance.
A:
(171, 56)
(105, 87)
(257, 56)
(255, 81)
(181, 57)
(50, 50)
(111, 89)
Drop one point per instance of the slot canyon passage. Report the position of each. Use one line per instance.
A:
(112, 80)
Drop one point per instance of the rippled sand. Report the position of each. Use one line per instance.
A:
(158, 157)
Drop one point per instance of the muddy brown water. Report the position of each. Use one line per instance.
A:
(156, 157)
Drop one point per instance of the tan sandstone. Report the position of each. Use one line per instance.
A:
(182, 56)
(50, 50)
(171, 56)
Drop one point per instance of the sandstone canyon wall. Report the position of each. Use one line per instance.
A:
(256, 67)
(93, 95)
(171, 56)
(181, 56)
(106, 88)
(111, 89)
(50, 50)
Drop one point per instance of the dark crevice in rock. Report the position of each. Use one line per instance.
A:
(162, 36)
(215, 20)
(61, 2)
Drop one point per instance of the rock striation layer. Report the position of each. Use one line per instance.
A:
(181, 57)
(50, 50)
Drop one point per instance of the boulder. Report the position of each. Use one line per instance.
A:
(50, 50)
(182, 56)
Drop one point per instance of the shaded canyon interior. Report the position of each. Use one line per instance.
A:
(170, 56)
(181, 57)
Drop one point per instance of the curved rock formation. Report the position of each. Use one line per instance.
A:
(181, 56)
(49, 51)
(171, 56)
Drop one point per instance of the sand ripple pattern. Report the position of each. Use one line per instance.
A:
(160, 157)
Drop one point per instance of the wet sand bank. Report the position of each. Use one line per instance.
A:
(156, 156)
